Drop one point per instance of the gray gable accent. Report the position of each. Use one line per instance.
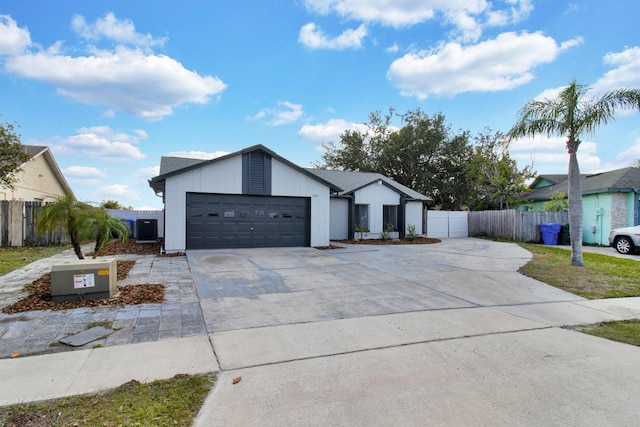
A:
(353, 181)
(616, 181)
(173, 167)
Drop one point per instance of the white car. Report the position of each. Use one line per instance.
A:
(626, 240)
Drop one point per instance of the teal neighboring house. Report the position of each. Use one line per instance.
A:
(610, 200)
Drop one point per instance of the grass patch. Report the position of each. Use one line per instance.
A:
(17, 257)
(627, 331)
(601, 276)
(104, 323)
(172, 402)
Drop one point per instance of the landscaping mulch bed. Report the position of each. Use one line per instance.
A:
(416, 241)
(39, 297)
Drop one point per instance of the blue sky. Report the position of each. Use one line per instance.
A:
(111, 86)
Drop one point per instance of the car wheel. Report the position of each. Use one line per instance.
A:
(624, 245)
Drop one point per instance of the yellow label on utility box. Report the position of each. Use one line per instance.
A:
(103, 272)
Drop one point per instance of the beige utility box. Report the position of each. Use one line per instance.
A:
(84, 279)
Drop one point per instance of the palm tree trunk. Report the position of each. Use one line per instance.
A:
(75, 242)
(575, 207)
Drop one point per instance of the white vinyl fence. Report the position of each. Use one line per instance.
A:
(444, 224)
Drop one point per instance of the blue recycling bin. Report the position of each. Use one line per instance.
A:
(550, 233)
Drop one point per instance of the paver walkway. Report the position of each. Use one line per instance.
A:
(39, 331)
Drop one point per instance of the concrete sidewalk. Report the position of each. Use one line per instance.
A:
(469, 366)
(49, 376)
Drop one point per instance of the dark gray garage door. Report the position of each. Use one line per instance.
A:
(236, 221)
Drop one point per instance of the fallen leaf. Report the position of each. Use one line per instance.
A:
(15, 354)
(236, 380)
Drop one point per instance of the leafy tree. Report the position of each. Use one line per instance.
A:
(557, 203)
(71, 215)
(12, 155)
(571, 114)
(423, 154)
(496, 181)
(104, 226)
(113, 204)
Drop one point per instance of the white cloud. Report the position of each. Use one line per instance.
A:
(287, 112)
(626, 73)
(102, 143)
(329, 131)
(625, 158)
(502, 63)
(13, 40)
(129, 79)
(111, 28)
(203, 155)
(468, 17)
(84, 172)
(148, 172)
(115, 190)
(549, 154)
(394, 48)
(314, 38)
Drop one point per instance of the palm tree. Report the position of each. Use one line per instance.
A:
(71, 215)
(104, 227)
(570, 114)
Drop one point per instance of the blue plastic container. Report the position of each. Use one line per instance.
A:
(550, 233)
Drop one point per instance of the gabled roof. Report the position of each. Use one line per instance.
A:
(546, 180)
(35, 151)
(616, 181)
(353, 181)
(172, 166)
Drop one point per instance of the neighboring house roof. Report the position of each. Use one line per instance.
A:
(172, 166)
(353, 181)
(616, 181)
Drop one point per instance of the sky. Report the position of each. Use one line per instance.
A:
(111, 86)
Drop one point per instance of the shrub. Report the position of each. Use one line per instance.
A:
(411, 233)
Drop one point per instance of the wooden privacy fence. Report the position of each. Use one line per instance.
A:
(513, 224)
(18, 226)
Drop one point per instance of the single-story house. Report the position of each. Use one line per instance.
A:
(256, 198)
(609, 199)
(40, 178)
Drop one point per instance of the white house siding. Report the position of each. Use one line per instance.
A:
(286, 181)
(339, 228)
(376, 195)
(224, 177)
(413, 216)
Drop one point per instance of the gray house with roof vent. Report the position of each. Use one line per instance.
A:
(610, 200)
(256, 198)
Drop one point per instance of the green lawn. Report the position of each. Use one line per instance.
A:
(627, 331)
(172, 402)
(17, 257)
(601, 276)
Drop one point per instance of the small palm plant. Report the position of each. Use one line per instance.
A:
(104, 227)
(71, 215)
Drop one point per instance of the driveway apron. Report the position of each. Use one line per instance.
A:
(248, 288)
(442, 334)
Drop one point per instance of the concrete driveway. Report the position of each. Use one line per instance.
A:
(444, 334)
